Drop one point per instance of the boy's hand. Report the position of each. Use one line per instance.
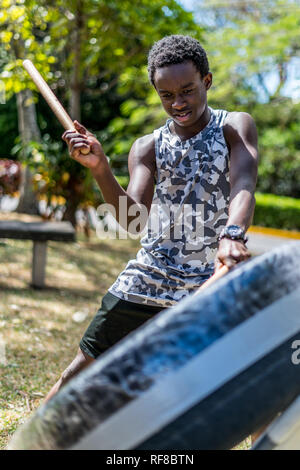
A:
(231, 252)
(96, 158)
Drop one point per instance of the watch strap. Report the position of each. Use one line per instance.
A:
(225, 234)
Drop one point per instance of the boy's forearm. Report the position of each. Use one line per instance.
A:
(241, 208)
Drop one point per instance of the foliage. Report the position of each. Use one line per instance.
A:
(22, 32)
(279, 145)
(8, 127)
(246, 44)
(84, 47)
(277, 211)
(123, 181)
(251, 46)
(113, 59)
(139, 115)
(57, 176)
(10, 176)
(116, 33)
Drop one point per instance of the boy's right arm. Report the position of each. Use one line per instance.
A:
(141, 165)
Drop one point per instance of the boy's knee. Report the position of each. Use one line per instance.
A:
(67, 374)
(80, 362)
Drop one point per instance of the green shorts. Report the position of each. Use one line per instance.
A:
(115, 319)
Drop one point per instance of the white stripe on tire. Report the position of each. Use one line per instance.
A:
(178, 391)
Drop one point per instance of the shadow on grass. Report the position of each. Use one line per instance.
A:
(100, 263)
(66, 291)
(14, 253)
(97, 272)
(131, 246)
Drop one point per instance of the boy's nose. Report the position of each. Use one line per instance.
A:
(178, 103)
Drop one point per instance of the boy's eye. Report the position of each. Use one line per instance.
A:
(184, 92)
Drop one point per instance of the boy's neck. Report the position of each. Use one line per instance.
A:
(185, 133)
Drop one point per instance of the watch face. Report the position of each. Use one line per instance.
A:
(234, 231)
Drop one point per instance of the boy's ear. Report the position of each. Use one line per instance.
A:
(207, 80)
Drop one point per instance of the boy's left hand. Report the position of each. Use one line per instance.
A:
(231, 252)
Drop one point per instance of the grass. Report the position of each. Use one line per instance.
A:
(38, 327)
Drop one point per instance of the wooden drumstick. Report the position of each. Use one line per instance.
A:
(218, 274)
(51, 99)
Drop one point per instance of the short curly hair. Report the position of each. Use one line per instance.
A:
(176, 49)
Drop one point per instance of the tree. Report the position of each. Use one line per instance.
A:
(94, 43)
(251, 46)
(21, 22)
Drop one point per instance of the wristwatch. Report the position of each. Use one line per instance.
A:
(233, 232)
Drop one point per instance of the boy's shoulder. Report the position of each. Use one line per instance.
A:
(143, 149)
(239, 124)
(237, 119)
(144, 143)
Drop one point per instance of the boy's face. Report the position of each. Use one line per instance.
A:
(183, 92)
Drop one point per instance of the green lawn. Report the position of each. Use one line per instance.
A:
(38, 327)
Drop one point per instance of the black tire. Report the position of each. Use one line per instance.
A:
(201, 375)
(284, 431)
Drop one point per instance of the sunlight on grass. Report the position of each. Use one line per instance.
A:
(37, 326)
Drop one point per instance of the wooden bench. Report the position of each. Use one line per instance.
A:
(40, 233)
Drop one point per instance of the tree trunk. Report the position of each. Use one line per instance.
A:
(28, 130)
(75, 189)
(75, 194)
(76, 76)
(70, 212)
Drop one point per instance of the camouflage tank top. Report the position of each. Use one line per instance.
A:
(188, 211)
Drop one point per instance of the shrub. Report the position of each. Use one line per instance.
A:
(10, 176)
(277, 212)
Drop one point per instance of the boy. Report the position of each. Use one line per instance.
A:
(201, 159)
